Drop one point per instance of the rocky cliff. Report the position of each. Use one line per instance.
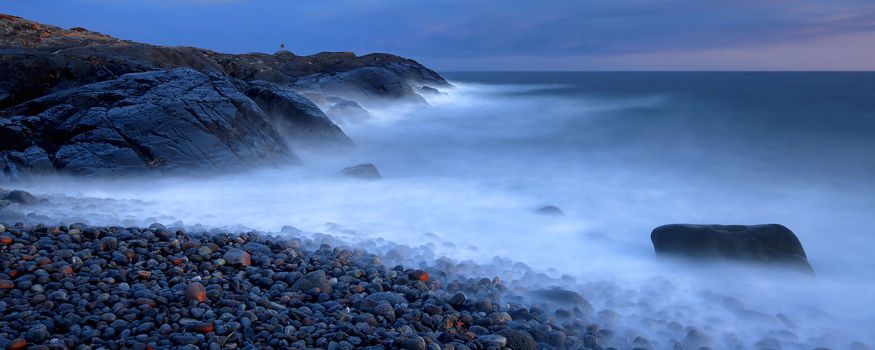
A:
(77, 101)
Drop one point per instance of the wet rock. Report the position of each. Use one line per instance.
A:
(294, 116)
(416, 343)
(152, 121)
(430, 91)
(550, 210)
(196, 292)
(316, 279)
(493, 341)
(767, 244)
(418, 275)
(37, 334)
(458, 299)
(21, 197)
(695, 339)
(237, 257)
(564, 297)
(362, 171)
(518, 339)
(363, 85)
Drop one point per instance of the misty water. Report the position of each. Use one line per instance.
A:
(620, 154)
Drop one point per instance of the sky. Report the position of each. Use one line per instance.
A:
(458, 35)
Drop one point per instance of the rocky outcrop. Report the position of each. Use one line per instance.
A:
(363, 84)
(294, 116)
(19, 32)
(81, 102)
(36, 59)
(156, 121)
(338, 109)
(768, 244)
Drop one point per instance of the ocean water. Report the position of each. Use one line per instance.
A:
(620, 153)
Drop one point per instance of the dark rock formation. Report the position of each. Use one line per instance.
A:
(362, 171)
(771, 244)
(341, 110)
(362, 84)
(154, 121)
(294, 116)
(428, 90)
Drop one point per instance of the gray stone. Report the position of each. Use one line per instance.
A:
(518, 339)
(236, 256)
(564, 298)
(493, 340)
(315, 279)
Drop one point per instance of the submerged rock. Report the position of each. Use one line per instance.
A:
(346, 111)
(564, 298)
(430, 91)
(550, 210)
(768, 244)
(20, 197)
(362, 171)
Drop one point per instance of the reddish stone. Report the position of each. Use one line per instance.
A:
(43, 261)
(66, 269)
(196, 291)
(419, 275)
(17, 344)
(7, 284)
(5, 240)
(201, 327)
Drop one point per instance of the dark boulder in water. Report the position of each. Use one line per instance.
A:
(769, 244)
(18, 196)
(550, 210)
(362, 171)
(564, 298)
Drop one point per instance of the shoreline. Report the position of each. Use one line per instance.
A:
(153, 288)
